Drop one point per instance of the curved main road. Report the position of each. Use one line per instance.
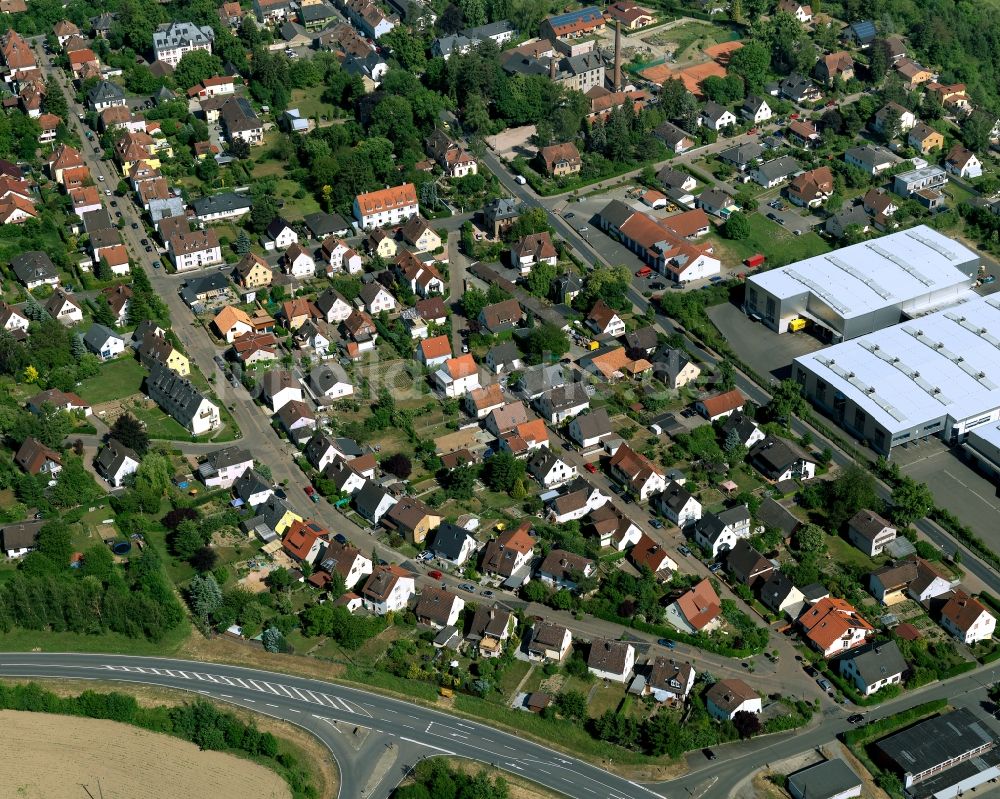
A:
(330, 712)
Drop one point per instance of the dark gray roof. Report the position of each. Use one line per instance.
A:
(741, 423)
(712, 525)
(502, 208)
(567, 396)
(175, 395)
(327, 375)
(935, 741)
(774, 591)
(616, 213)
(196, 286)
(670, 134)
(779, 168)
(105, 92)
(33, 265)
(743, 561)
(675, 497)
(228, 456)
(538, 379)
(774, 455)
(504, 353)
(877, 661)
(21, 535)
(97, 220)
(644, 338)
(743, 153)
(771, 514)
(113, 456)
(227, 202)
(238, 115)
(824, 780)
(250, 483)
(369, 498)
(594, 423)
(97, 336)
(863, 31)
(317, 11)
(321, 225)
(448, 540)
(713, 110)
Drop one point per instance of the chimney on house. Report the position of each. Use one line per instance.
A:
(552, 68)
(617, 87)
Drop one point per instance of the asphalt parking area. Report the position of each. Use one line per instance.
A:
(759, 346)
(955, 486)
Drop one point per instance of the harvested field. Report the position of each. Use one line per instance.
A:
(129, 762)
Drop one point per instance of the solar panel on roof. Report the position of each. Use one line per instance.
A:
(906, 267)
(859, 276)
(937, 247)
(819, 291)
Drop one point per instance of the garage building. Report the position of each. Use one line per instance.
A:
(938, 375)
(865, 287)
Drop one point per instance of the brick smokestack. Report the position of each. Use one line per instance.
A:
(552, 67)
(617, 87)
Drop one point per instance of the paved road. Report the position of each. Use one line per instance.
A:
(317, 705)
(331, 711)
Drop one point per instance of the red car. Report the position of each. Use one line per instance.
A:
(435, 574)
(590, 468)
(310, 490)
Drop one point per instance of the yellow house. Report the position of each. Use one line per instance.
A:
(382, 244)
(924, 138)
(252, 272)
(412, 519)
(420, 235)
(137, 147)
(161, 350)
(287, 520)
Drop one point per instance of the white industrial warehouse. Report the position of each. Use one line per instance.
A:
(983, 445)
(865, 287)
(936, 375)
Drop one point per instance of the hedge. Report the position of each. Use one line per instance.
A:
(670, 633)
(894, 722)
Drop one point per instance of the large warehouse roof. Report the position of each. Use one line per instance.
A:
(943, 364)
(865, 277)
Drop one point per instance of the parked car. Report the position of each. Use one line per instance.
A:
(590, 468)
(468, 587)
(656, 524)
(486, 594)
(657, 286)
(520, 179)
(667, 643)
(715, 279)
(715, 568)
(434, 574)
(989, 279)
(708, 753)
(824, 684)
(135, 226)
(684, 551)
(857, 718)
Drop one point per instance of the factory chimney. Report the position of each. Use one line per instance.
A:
(617, 87)
(552, 67)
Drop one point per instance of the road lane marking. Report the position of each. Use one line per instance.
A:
(429, 746)
(269, 704)
(227, 696)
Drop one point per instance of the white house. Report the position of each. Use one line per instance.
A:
(579, 499)
(438, 608)
(666, 680)
(549, 469)
(717, 117)
(278, 388)
(279, 235)
(116, 462)
(678, 505)
(221, 468)
(434, 351)
(388, 590)
(562, 569)
(726, 698)
(179, 398)
(298, 263)
(390, 206)
(588, 429)
(967, 619)
(457, 376)
(637, 472)
(334, 308)
(756, 109)
(453, 544)
(611, 660)
(377, 298)
(717, 533)
(347, 561)
(873, 667)
(339, 257)
(603, 320)
(869, 532)
(172, 40)
(963, 162)
(104, 342)
(549, 642)
(60, 306)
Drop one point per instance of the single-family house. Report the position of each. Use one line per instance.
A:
(718, 532)
(609, 660)
(728, 697)
(549, 642)
(438, 608)
(678, 504)
(747, 566)
(924, 139)
(696, 610)
(387, 590)
(104, 342)
(779, 459)
(549, 469)
(963, 162)
(35, 458)
(279, 387)
(870, 532)
(717, 116)
(373, 501)
(719, 406)
(412, 519)
(636, 472)
(652, 555)
(457, 376)
(453, 544)
(604, 321)
(832, 626)
(967, 619)
(873, 667)
(562, 569)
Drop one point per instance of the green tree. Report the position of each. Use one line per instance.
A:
(879, 58)
(502, 472)
(752, 62)
(407, 48)
(55, 100)
(737, 226)
(608, 283)
(196, 66)
(204, 596)
(131, 432)
(852, 490)
(910, 501)
(810, 538)
(243, 244)
(571, 705)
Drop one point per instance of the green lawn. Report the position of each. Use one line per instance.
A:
(114, 643)
(159, 425)
(845, 554)
(309, 104)
(779, 245)
(295, 208)
(118, 379)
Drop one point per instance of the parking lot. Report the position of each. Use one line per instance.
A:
(760, 347)
(954, 484)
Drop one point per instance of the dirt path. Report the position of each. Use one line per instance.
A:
(118, 761)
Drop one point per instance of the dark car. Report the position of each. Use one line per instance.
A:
(135, 226)
(715, 568)
(144, 242)
(148, 248)
(857, 718)
(114, 203)
(708, 753)
(667, 643)
(656, 524)
(486, 594)
(657, 286)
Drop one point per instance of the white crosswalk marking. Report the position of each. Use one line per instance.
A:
(297, 691)
(315, 698)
